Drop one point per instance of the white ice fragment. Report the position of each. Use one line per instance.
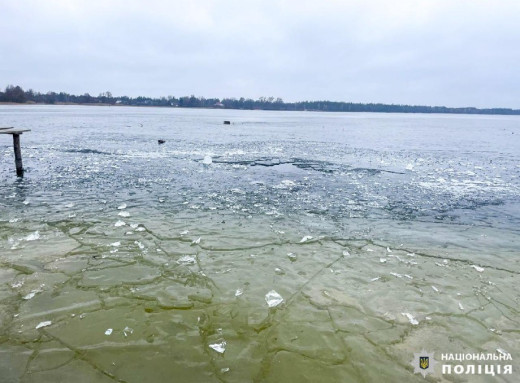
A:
(141, 246)
(369, 249)
(409, 167)
(26, 202)
(128, 331)
(196, 242)
(428, 318)
(435, 289)
(122, 206)
(124, 214)
(119, 223)
(396, 275)
(408, 276)
(460, 306)
(279, 271)
(239, 292)
(134, 225)
(478, 268)
(375, 279)
(29, 296)
(207, 160)
(291, 256)
(501, 351)
(346, 253)
(108, 331)
(224, 370)
(219, 347)
(33, 237)
(184, 232)
(115, 244)
(43, 324)
(140, 228)
(382, 260)
(306, 238)
(273, 299)
(411, 319)
(388, 249)
(186, 260)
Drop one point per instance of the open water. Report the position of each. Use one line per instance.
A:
(285, 247)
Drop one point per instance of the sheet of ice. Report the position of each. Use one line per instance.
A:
(273, 299)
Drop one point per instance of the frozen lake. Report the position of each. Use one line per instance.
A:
(383, 234)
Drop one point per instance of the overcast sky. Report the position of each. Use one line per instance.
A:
(434, 52)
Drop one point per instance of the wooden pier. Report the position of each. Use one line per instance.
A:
(16, 144)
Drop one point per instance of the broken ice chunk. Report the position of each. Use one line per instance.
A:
(207, 160)
(128, 331)
(108, 331)
(124, 214)
(411, 319)
(306, 238)
(460, 306)
(435, 289)
(273, 299)
(239, 292)
(33, 237)
(291, 256)
(382, 260)
(115, 244)
(478, 268)
(196, 242)
(219, 347)
(122, 206)
(186, 260)
(43, 324)
(119, 223)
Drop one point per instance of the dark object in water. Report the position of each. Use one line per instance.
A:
(227, 122)
(161, 142)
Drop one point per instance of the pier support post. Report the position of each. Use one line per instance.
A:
(17, 155)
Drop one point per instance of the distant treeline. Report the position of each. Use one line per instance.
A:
(17, 95)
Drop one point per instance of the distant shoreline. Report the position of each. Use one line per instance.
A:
(15, 95)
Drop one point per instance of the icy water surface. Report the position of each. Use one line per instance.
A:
(285, 247)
